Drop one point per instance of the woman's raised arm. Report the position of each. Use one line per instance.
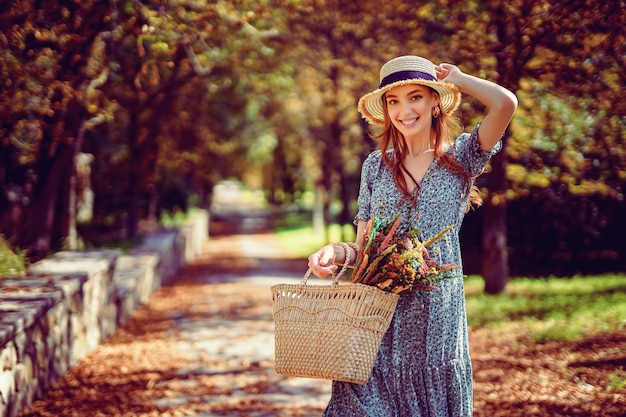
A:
(500, 102)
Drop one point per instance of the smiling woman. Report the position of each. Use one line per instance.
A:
(409, 108)
(423, 173)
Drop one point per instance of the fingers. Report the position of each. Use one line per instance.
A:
(448, 72)
(321, 262)
(323, 272)
(443, 70)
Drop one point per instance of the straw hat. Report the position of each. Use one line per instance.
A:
(407, 70)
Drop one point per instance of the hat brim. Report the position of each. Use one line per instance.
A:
(371, 105)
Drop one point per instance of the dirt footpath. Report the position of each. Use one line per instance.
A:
(203, 346)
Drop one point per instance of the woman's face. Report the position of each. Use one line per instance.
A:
(410, 108)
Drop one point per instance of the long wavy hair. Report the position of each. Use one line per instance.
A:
(446, 129)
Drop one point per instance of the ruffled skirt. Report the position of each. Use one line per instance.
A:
(423, 368)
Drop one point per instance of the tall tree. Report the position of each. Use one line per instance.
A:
(46, 52)
(572, 47)
(103, 71)
(554, 42)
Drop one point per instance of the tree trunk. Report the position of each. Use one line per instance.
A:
(131, 221)
(319, 222)
(47, 217)
(346, 195)
(494, 265)
(511, 56)
(42, 213)
(72, 205)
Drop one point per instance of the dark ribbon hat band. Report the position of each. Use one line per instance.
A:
(405, 75)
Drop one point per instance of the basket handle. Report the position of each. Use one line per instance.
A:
(336, 276)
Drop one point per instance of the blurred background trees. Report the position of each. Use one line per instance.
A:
(172, 96)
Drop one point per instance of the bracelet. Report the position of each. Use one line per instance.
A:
(348, 257)
(348, 253)
(353, 246)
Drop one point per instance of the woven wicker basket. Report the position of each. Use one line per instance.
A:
(330, 331)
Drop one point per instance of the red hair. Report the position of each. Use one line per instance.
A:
(446, 126)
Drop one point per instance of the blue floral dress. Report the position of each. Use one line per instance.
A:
(423, 368)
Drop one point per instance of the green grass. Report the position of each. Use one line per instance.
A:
(11, 263)
(553, 308)
(301, 241)
(617, 380)
(173, 219)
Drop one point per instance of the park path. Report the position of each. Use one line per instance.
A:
(203, 346)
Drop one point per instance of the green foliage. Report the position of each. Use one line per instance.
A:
(617, 380)
(127, 84)
(556, 145)
(11, 263)
(173, 219)
(552, 308)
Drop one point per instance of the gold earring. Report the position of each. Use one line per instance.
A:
(436, 111)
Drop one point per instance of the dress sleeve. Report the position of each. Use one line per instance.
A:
(470, 156)
(369, 171)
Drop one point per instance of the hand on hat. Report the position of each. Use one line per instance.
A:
(447, 72)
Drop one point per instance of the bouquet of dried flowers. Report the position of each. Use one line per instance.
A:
(397, 263)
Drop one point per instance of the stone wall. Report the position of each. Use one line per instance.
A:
(67, 304)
